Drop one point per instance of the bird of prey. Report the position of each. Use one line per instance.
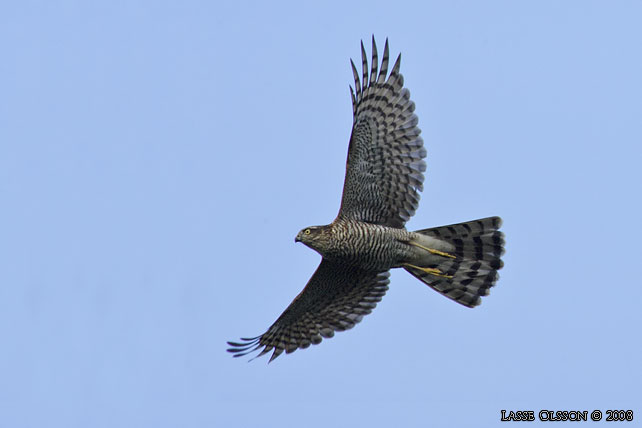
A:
(384, 174)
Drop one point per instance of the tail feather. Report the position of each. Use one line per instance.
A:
(470, 258)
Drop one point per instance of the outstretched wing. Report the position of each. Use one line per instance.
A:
(335, 299)
(385, 166)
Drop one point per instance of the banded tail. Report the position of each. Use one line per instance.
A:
(462, 260)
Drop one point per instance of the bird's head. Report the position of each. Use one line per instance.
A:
(313, 236)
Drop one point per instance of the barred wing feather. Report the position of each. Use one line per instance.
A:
(384, 171)
(335, 299)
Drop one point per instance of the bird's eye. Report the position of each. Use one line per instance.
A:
(307, 231)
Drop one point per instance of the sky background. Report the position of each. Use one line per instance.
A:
(158, 158)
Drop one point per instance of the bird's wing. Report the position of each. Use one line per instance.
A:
(384, 171)
(335, 299)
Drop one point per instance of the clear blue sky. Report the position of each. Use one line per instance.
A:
(158, 158)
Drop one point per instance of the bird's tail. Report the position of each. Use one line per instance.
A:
(461, 260)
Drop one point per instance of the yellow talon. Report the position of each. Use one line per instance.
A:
(431, 271)
(433, 251)
(441, 253)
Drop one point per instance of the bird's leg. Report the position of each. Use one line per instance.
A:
(431, 271)
(433, 251)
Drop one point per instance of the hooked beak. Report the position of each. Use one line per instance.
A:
(296, 239)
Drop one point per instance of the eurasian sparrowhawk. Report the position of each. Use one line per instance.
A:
(384, 174)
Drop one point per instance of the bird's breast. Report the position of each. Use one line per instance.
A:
(369, 246)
